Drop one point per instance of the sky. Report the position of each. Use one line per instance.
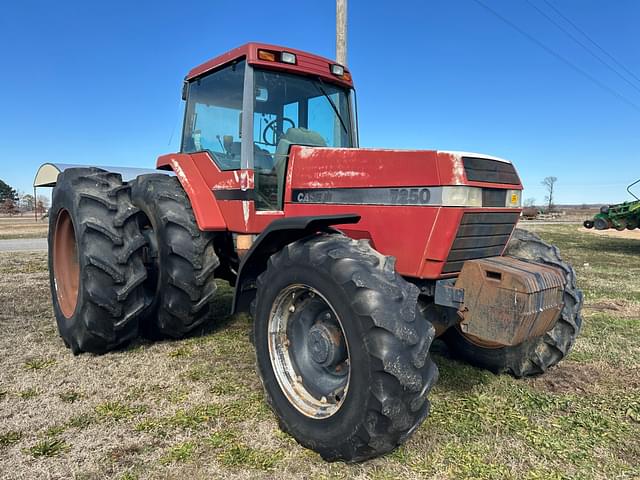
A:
(99, 82)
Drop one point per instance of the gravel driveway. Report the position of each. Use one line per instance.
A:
(23, 245)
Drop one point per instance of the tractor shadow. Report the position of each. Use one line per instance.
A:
(457, 376)
(222, 317)
(221, 320)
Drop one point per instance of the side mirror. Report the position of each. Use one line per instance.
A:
(185, 90)
(262, 94)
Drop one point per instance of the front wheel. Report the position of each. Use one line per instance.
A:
(536, 355)
(342, 350)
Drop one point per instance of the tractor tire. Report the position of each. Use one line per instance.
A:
(181, 258)
(536, 355)
(601, 224)
(95, 261)
(342, 350)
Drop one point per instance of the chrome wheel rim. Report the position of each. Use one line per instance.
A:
(309, 352)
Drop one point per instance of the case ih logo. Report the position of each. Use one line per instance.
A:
(311, 196)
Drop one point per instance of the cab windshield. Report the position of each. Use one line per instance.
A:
(285, 101)
(293, 110)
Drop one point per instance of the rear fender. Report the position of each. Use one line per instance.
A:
(276, 236)
(204, 204)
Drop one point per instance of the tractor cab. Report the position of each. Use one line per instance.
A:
(247, 111)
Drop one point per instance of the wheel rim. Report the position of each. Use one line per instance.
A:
(309, 352)
(66, 270)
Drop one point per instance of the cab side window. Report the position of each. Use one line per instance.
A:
(213, 119)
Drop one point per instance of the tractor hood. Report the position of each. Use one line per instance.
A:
(318, 167)
(433, 210)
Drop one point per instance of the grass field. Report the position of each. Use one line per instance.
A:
(194, 408)
(22, 227)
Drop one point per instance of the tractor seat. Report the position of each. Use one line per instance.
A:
(297, 136)
(294, 136)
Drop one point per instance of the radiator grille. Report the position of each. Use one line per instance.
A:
(480, 235)
(486, 170)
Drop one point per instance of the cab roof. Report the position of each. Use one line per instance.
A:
(306, 63)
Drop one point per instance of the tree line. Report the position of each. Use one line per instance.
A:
(14, 202)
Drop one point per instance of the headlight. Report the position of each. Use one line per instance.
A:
(337, 70)
(462, 197)
(514, 199)
(287, 57)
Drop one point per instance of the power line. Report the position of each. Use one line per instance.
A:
(552, 52)
(585, 47)
(591, 40)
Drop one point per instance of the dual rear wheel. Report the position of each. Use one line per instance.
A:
(126, 258)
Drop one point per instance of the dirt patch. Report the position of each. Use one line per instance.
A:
(572, 377)
(569, 377)
(618, 307)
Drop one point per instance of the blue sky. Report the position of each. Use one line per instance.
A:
(99, 82)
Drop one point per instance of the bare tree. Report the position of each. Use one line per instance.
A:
(40, 209)
(27, 202)
(9, 207)
(44, 200)
(530, 202)
(549, 184)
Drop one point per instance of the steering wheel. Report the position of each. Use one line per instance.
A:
(273, 127)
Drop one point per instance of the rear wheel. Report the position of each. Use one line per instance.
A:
(342, 350)
(536, 355)
(180, 258)
(95, 261)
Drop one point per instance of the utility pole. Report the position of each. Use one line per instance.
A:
(341, 32)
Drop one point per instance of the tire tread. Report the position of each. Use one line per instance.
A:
(397, 340)
(111, 296)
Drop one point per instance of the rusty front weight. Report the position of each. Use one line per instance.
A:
(507, 301)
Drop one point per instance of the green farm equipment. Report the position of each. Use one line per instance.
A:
(619, 216)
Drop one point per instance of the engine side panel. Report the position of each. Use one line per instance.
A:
(405, 222)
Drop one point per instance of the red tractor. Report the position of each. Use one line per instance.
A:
(350, 261)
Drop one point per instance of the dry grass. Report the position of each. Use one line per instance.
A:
(633, 234)
(194, 408)
(22, 227)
